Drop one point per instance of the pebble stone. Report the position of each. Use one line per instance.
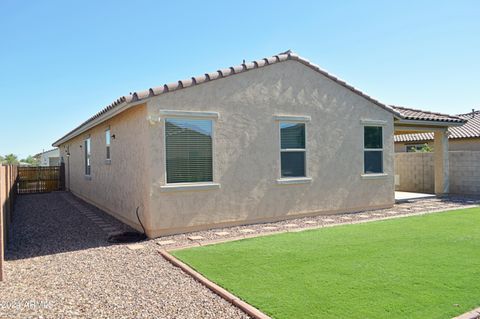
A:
(166, 242)
(135, 246)
(196, 237)
(68, 274)
(247, 230)
(269, 227)
(222, 233)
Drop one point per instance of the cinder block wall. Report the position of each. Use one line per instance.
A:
(415, 172)
(465, 172)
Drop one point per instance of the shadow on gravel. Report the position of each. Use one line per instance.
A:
(46, 224)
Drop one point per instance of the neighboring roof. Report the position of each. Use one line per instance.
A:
(471, 129)
(134, 97)
(415, 114)
(44, 152)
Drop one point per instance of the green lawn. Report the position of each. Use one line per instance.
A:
(416, 267)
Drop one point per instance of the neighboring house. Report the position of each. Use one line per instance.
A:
(49, 158)
(263, 141)
(24, 164)
(463, 138)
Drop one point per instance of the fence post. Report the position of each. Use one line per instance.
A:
(62, 176)
(8, 202)
(2, 213)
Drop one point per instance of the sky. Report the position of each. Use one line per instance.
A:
(63, 61)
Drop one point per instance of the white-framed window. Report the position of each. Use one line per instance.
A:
(107, 144)
(87, 154)
(293, 152)
(372, 149)
(189, 150)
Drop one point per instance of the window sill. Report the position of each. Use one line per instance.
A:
(294, 180)
(189, 187)
(88, 177)
(374, 176)
(108, 161)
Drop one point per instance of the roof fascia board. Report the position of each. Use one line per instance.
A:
(428, 123)
(98, 120)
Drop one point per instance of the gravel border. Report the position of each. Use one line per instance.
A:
(410, 208)
(60, 265)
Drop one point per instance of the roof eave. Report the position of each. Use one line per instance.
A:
(107, 115)
(140, 97)
(428, 122)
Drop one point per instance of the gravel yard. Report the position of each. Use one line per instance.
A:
(60, 265)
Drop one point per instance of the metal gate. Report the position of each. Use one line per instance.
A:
(40, 179)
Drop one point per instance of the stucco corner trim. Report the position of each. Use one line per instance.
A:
(173, 113)
(189, 187)
(293, 118)
(374, 176)
(373, 122)
(294, 180)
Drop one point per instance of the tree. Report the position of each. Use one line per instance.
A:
(10, 159)
(425, 149)
(30, 160)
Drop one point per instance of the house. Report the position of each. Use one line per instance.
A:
(49, 158)
(267, 140)
(463, 138)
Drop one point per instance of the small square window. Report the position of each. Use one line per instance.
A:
(373, 162)
(373, 137)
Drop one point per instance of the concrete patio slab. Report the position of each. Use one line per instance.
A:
(401, 197)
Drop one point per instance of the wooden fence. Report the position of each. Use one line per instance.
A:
(8, 194)
(39, 179)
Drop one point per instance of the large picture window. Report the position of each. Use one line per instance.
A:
(373, 149)
(188, 145)
(86, 147)
(292, 149)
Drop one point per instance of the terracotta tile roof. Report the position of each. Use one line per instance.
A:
(207, 77)
(219, 74)
(415, 114)
(471, 129)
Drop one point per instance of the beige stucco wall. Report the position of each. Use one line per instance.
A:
(468, 144)
(122, 185)
(246, 150)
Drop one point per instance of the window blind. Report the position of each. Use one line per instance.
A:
(188, 150)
